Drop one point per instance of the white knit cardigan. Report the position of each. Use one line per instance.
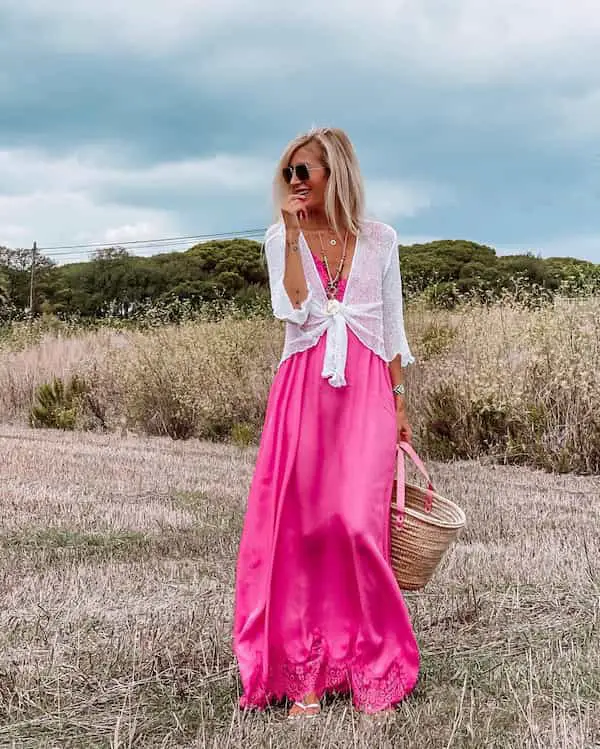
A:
(372, 305)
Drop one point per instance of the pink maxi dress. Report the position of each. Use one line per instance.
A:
(317, 607)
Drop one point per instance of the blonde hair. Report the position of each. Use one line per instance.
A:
(344, 194)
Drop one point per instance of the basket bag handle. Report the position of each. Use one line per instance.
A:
(405, 448)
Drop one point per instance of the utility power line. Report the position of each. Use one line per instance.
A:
(165, 244)
(147, 244)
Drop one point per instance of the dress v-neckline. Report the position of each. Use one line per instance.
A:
(352, 264)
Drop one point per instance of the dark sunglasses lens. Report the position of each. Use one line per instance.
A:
(302, 172)
(287, 174)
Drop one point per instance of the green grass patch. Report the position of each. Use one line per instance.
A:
(74, 541)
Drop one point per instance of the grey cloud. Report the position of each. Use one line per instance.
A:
(245, 88)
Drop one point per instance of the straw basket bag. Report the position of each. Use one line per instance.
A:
(423, 525)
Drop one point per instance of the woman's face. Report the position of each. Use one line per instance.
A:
(314, 186)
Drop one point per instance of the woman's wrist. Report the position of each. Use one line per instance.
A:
(291, 222)
(399, 392)
(292, 239)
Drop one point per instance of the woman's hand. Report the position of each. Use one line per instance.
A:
(293, 210)
(294, 280)
(404, 428)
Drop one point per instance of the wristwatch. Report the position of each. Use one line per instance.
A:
(399, 389)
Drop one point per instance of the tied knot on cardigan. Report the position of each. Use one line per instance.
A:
(334, 362)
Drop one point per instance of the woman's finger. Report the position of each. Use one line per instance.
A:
(405, 434)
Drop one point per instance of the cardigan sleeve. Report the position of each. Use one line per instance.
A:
(283, 309)
(394, 333)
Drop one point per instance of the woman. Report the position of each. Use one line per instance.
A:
(317, 607)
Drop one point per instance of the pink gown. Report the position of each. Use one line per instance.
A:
(317, 607)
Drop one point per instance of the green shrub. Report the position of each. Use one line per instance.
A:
(244, 434)
(457, 426)
(443, 432)
(56, 405)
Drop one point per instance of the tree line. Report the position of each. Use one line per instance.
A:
(114, 282)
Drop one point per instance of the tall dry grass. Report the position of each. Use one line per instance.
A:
(507, 380)
(521, 384)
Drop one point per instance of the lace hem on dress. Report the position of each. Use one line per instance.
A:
(321, 674)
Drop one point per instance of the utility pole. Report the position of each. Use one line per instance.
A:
(33, 254)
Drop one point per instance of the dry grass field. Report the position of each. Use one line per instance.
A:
(116, 579)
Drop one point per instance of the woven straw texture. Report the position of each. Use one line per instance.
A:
(418, 546)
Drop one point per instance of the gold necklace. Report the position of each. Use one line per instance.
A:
(333, 283)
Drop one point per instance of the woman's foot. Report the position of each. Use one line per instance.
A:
(308, 707)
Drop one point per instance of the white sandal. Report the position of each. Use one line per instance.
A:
(304, 706)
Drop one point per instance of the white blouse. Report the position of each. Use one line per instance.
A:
(372, 305)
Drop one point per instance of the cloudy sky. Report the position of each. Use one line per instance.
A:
(124, 121)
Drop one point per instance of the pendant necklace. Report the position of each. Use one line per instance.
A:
(333, 283)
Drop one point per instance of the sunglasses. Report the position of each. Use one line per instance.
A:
(302, 172)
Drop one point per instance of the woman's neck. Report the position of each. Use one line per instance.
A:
(317, 221)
